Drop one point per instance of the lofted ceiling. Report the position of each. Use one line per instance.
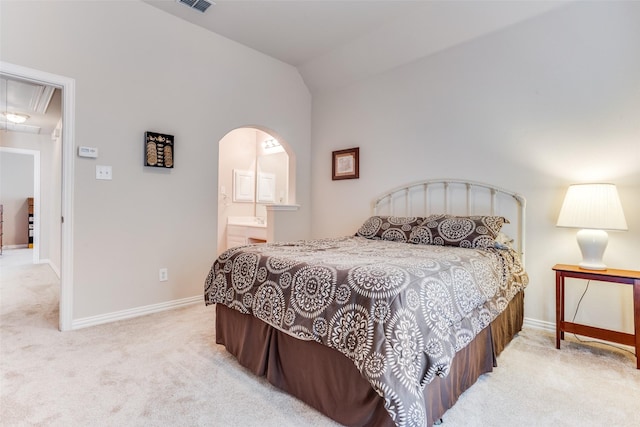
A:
(292, 31)
(332, 43)
(336, 42)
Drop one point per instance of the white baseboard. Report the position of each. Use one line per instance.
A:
(551, 327)
(86, 322)
(9, 247)
(539, 324)
(52, 265)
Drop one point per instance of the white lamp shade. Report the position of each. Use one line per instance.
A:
(593, 206)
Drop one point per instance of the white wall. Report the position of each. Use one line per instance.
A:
(139, 69)
(533, 108)
(16, 185)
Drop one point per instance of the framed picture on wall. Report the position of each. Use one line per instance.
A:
(158, 150)
(345, 164)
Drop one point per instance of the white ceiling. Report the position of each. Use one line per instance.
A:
(43, 105)
(335, 42)
(293, 31)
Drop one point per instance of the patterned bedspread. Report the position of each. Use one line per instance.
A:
(399, 311)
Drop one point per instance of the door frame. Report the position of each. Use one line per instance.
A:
(67, 85)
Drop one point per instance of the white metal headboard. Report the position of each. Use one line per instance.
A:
(457, 197)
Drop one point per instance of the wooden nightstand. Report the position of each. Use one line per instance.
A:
(628, 277)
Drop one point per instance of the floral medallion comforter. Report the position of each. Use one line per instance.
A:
(399, 311)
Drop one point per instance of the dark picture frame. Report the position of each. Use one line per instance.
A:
(345, 164)
(159, 150)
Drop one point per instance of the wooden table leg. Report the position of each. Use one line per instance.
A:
(562, 294)
(559, 306)
(636, 318)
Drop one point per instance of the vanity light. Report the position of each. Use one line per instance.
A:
(15, 117)
(272, 146)
(593, 208)
(270, 143)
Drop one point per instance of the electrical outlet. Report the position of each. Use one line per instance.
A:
(163, 274)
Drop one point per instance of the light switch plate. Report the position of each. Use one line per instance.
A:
(103, 172)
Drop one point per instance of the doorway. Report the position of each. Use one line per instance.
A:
(255, 169)
(30, 232)
(67, 85)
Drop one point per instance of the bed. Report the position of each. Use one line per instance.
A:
(388, 326)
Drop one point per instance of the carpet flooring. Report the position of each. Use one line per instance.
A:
(165, 369)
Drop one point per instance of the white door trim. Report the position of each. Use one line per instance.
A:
(68, 143)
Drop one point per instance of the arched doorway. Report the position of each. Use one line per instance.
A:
(256, 168)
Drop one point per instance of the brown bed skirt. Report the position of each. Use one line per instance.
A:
(328, 381)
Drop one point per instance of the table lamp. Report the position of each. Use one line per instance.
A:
(593, 208)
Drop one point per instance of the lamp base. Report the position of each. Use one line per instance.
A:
(592, 245)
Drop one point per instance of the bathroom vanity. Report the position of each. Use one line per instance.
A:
(245, 230)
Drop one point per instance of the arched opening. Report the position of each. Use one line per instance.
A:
(256, 168)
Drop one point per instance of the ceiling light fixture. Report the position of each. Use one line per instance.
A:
(15, 117)
(272, 146)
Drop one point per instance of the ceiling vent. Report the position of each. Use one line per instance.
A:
(199, 5)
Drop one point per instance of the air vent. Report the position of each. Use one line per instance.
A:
(199, 5)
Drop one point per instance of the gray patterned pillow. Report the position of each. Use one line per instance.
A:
(394, 228)
(462, 231)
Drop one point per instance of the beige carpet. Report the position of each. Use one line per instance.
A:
(166, 370)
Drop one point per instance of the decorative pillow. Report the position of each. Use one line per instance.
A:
(394, 228)
(503, 241)
(462, 231)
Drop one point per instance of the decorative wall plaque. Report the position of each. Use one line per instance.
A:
(158, 150)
